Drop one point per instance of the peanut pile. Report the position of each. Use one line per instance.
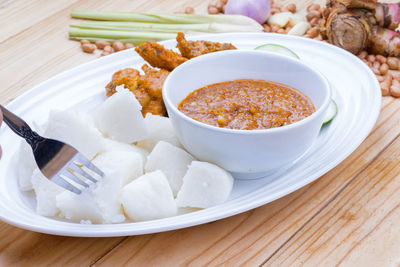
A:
(314, 15)
(106, 47)
(217, 7)
(386, 69)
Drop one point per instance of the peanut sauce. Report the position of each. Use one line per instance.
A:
(247, 104)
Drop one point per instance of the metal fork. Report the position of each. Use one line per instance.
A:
(59, 162)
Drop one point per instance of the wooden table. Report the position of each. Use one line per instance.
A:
(350, 216)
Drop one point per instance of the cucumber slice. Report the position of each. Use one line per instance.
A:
(276, 48)
(331, 113)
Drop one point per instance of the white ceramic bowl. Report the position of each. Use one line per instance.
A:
(246, 153)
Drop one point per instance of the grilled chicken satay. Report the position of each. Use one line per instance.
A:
(158, 56)
(191, 49)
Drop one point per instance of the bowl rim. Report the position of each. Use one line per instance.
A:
(210, 56)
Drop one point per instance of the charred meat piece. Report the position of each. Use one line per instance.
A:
(127, 77)
(191, 49)
(158, 56)
(147, 88)
(151, 82)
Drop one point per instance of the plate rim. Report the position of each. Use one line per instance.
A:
(209, 218)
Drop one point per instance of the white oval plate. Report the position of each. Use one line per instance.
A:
(355, 90)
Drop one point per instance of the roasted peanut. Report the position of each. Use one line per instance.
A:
(384, 68)
(118, 46)
(108, 49)
(189, 10)
(88, 48)
(313, 14)
(325, 12)
(395, 88)
(313, 32)
(105, 53)
(84, 41)
(385, 88)
(291, 8)
(267, 28)
(219, 6)
(376, 65)
(275, 28)
(389, 78)
(101, 44)
(380, 78)
(396, 75)
(371, 58)
(375, 71)
(363, 54)
(381, 59)
(313, 7)
(314, 22)
(393, 63)
(212, 9)
(395, 91)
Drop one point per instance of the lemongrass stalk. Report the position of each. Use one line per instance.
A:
(156, 36)
(94, 27)
(164, 18)
(111, 41)
(204, 27)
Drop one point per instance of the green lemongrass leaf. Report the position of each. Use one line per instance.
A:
(117, 16)
(94, 27)
(140, 26)
(166, 18)
(157, 36)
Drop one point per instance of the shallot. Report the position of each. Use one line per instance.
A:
(258, 10)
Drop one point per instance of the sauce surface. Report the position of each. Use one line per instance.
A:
(247, 105)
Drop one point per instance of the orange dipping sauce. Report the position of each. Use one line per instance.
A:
(247, 105)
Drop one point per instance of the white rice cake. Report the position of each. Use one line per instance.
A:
(149, 197)
(76, 129)
(204, 185)
(46, 192)
(160, 129)
(125, 165)
(172, 161)
(26, 166)
(99, 203)
(119, 118)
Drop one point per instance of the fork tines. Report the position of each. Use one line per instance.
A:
(75, 175)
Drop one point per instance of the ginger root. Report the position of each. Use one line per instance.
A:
(357, 25)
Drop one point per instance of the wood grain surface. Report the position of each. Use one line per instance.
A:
(348, 217)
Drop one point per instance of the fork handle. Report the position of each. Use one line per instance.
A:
(20, 127)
